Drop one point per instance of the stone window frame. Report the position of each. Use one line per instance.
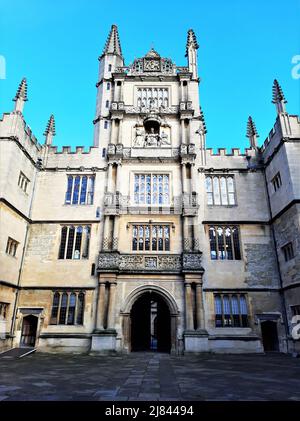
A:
(11, 247)
(235, 242)
(166, 246)
(288, 251)
(4, 309)
(70, 239)
(231, 196)
(151, 174)
(276, 181)
(84, 191)
(234, 316)
(64, 311)
(138, 99)
(23, 182)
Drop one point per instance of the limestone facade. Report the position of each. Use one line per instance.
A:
(209, 243)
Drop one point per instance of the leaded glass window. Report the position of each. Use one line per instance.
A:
(231, 310)
(153, 97)
(224, 243)
(151, 189)
(151, 238)
(74, 243)
(67, 308)
(80, 190)
(220, 190)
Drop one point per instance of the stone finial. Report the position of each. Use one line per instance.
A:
(252, 133)
(278, 97)
(113, 45)
(21, 96)
(191, 41)
(50, 130)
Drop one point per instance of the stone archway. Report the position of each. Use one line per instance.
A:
(136, 305)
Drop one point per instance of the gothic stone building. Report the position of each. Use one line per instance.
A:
(149, 240)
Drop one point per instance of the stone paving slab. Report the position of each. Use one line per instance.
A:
(150, 377)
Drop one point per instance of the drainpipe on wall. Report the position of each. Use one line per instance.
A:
(13, 322)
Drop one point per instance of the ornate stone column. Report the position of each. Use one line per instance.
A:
(101, 308)
(183, 177)
(115, 233)
(199, 306)
(106, 234)
(173, 333)
(182, 131)
(118, 177)
(189, 325)
(113, 131)
(126, 331)
(120, 131)
(109, 178)
(111, 305)
(194, 174)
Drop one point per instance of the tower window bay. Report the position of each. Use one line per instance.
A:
(151, 189)
(153, 97)
(151, 237)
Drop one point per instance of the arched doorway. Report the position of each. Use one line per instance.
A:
(29, 329)
(150, 323)
(269, 336)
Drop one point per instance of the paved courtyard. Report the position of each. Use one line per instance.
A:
(150, 376)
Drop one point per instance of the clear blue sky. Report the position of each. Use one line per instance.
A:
(244, 45)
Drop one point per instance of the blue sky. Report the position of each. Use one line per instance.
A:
(244, 45)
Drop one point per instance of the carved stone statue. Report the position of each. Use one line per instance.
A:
(164, 139)
(139, 139)
(152, 138)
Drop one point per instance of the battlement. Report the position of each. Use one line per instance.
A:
(68, 150)
(14, 127)
(232, 152)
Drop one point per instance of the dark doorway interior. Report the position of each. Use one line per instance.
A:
(150, 324)
(269, 336)
(29, 329)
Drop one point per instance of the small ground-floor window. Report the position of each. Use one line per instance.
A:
(67, 308)
(231, 310)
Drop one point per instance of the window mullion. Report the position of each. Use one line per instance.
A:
(67, 309)
(76, 308)
(74, 241)
(222, 309)
(79, 190)
(240, 312)
(67, 241)
(72, 188)
(232, 242)
(231, 311)
(58, 310)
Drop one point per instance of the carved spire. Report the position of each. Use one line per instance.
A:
(191, 41)
(21, 96)
(191, 53)
(113, 45)
(50, 130)
(252, 133)
(278, 97)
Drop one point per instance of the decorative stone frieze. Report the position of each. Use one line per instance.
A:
(111, 262)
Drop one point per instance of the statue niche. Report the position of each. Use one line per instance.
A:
(151, 134)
